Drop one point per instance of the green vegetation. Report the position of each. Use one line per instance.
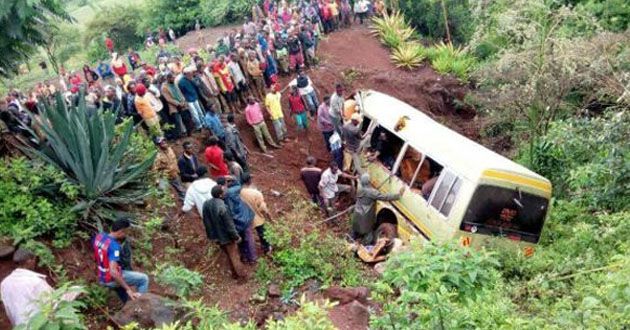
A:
(427, 16)
(299, 257)
(24, 27)
(30, 203)
(184, 281)
(86, 149)
(120, 23)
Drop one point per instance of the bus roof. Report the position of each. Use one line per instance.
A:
(447, 147)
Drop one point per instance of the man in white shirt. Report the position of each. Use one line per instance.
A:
(240, 82)
(23, 289)
(199, 191)
(329, 189)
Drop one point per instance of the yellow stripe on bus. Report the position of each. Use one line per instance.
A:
(541, 185)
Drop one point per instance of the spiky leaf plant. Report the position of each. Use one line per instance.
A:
(87, 150)
(408, 55)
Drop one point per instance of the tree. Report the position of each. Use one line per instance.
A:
(431, 19)
(62, 43)
(178, 14)
(24, 25)
(120, 23)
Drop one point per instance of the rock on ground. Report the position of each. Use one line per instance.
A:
(352, 316)
(347, 295)
(149, 311)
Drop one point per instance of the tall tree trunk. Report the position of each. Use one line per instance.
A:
(448, 31)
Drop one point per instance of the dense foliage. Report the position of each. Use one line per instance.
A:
(183, 280)
(86, 149)
(428, 17)
(24, 27)
(298, 257)
(31, 205)
(120, 23)
(216, 12)
(177, 14)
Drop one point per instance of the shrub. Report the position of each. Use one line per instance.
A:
(316, 255)
(87, 151)
(184, 281)
(408, 55)
(177, 14)
(121, 23)
(311, 315)
(55, 313)
(447, 59)
(218, 12)
(30, 203)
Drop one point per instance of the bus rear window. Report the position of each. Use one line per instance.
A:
(505, 212)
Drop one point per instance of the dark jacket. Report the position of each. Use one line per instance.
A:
(187, 168)
(243, 215)
(188, 89)
(218, 222)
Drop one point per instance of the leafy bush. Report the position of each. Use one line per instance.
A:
(392, 29)
(121, 23)
(440, 286)
(218, 12)
(177, 14)
(87, 151)
(587, 160)
(30, 203)
(55, 313)
(428, 18)
(184, 281)
(311, 315)
(315, 256)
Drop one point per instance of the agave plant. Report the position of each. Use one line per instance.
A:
(389, 22)
(447, 59)
(86, 149)
(408, 55)
(392, 39)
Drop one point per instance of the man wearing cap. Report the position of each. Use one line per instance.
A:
(146, 110)
(364, 217)
(255, 71)
(188, 89)
(166, 163)
(352, 137)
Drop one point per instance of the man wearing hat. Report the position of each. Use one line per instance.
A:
(166, 163)
(352, 137)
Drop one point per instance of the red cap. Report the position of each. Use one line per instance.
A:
(140, 89)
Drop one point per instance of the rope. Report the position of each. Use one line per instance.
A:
(334, 216)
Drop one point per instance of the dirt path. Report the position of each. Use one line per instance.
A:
(352, 57)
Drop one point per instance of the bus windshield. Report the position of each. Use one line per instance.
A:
(505, 212)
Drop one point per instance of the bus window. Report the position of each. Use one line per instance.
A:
(450, 198)
(385, 147)
(365, 124)
(507, 212)
(442, 190)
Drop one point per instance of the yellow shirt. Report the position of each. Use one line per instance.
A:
(333, 9)
(145, 109)
(256, 201)
(272, 102)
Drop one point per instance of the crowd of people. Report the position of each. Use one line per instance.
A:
(176, 96)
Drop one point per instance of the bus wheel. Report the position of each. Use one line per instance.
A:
(386, 216)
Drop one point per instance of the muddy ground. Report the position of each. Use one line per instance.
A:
(352, 57)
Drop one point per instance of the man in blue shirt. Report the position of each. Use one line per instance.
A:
(191, 95)
(212, 122)
(104, 70)
(107, 252)
(243, 217)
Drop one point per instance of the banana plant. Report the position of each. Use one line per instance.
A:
(87, 150)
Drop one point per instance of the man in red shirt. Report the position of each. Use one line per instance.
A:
(298, 110)
(214, 158)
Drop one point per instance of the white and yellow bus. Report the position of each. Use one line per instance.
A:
(457, 189)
